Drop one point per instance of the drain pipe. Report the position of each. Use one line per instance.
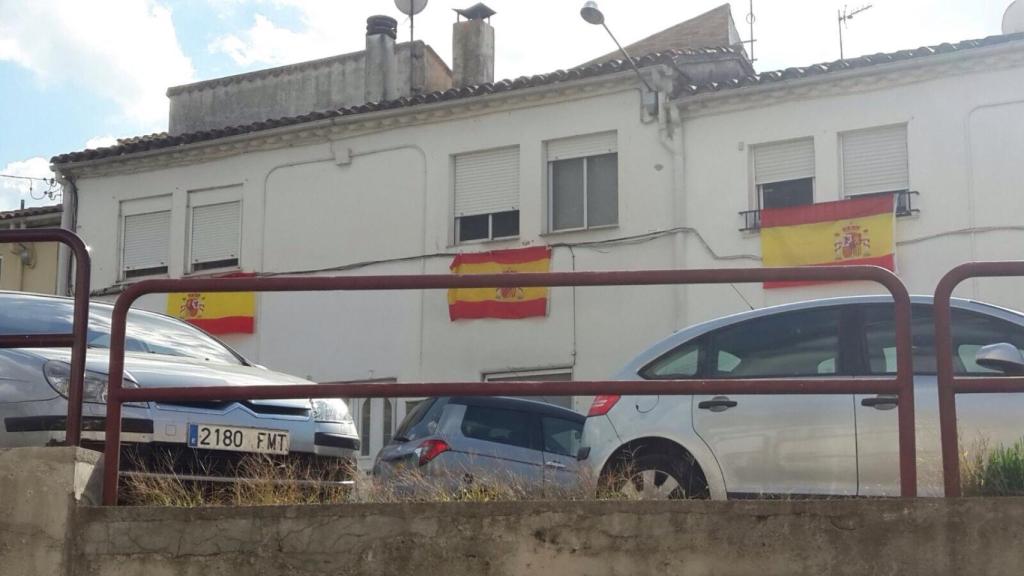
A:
(670, 130)
(68, 221)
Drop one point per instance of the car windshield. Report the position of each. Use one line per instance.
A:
(146, 333)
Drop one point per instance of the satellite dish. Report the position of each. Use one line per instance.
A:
(410, 7)
(1013, 19)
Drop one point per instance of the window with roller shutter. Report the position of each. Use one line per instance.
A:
(487, 194)
(215, 236)
(784, 173)
(875, 160)
(583, 182)
(145, 243)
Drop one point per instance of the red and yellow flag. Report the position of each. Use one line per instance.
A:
(215, 312)
(846, 232)
(506, 303)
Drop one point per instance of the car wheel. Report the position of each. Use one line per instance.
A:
(655, 477)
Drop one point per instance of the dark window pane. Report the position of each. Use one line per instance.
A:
(880, 338)
(786, 194)
(567, 194)
(497, 425)
(474, 227)
(364, 428)
(801, 343)
(561, 436)
(679, 363)
(505, 224)
(226, 263)
(421, 422)
(603, 190)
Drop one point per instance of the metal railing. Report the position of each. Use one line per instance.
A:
(948, 384)
(904, 207)
(76, 340)
(901, 385)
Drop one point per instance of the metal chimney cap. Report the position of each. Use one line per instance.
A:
(381, 25)
(591, 13)
(478, 11)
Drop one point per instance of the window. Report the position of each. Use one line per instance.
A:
(784, 173)
(583, 182)
(145, 237)
(364, 428)
(561, 436)
(215, 236)
(536, 376)
(971, 331)
(800, 343)
(679, 363)
(498, 425)
(875, 160)
(487, 195)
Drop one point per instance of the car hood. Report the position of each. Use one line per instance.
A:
(159, 371)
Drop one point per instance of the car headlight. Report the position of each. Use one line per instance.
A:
(94, 386)
(332, 410)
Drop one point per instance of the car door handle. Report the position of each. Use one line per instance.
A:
(718, 404)
(883, 402)
(553, 464)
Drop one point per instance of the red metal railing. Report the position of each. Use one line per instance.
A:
(949, 386)
(901, 385)
(79, 325)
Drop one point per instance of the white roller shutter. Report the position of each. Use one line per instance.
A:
(146, 240)
(215, 232)
(487, 182)
(875, 160)
(582, 146)
(783, 161)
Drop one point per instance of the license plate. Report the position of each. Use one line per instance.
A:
(238, 439)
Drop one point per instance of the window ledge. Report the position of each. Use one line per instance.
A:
(484, 242)
(210, 272)
(580, 230)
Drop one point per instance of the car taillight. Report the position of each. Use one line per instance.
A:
(431, 449)
(602, 404)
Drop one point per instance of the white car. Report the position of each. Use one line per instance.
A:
(737, 446)
(201, 439)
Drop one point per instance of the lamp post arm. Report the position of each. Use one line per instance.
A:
(628, 58)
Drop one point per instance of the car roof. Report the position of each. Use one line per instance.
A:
(689, 332)
(71, 301)
(542, 408)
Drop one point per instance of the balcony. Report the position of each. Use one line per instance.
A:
(904, 208)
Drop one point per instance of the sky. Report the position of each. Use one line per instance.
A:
(77, 74)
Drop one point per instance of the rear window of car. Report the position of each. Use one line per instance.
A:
(499, 425)
(422, 421)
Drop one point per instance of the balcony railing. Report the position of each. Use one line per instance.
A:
(904, 207)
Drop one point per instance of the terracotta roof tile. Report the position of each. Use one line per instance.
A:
(28, 212)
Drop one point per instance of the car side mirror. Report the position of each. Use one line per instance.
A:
(1005, 358)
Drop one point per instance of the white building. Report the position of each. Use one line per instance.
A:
(402, 186)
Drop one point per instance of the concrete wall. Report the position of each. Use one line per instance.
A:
(40, 489)
(293, 90)
(566, 538)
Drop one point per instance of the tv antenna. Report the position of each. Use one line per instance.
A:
(750, 20)
(411, 8)
(845, 15)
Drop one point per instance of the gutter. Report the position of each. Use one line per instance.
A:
(68, 221)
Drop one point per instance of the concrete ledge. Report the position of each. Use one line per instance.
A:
(39, 491)
(566, 538)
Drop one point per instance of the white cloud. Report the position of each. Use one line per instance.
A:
(100, 142)
(326, 26)
(125, 51)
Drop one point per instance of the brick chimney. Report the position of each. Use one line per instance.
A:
(381, 78)
(473, 46)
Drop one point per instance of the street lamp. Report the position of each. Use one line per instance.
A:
(593, 15)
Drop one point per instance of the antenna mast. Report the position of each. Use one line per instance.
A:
(750, 20)
(845, 16)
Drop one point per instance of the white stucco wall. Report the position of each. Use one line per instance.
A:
(392, 205)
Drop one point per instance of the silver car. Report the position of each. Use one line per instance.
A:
(196, 438)
(722, 446)
(453, 443)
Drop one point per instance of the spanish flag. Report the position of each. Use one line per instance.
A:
(846, 232)
(506, 303)
(215, 312)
